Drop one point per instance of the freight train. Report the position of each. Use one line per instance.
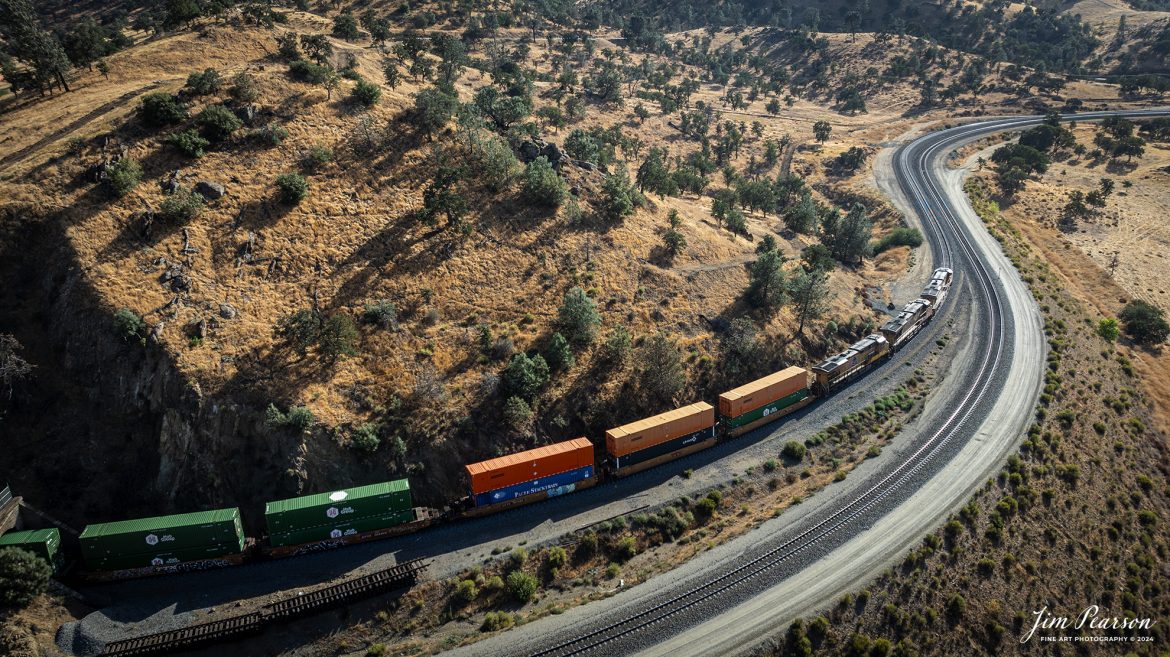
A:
(207, 539)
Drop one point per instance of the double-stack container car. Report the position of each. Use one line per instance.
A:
(349, 515)
(646, 443)
(45, 543)
(531, 476)
(213, 538)
(764, 400)
(165, 541)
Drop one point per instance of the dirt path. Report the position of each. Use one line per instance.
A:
(18, 156)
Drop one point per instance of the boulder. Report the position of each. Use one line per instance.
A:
(247, 114)
(209, 190)
(553, 154)
(226, 311)
(529, 151)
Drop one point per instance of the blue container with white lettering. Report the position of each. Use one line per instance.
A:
(557, 484)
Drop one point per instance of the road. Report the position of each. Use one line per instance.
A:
(737, 595)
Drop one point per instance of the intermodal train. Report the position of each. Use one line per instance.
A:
(208, 539)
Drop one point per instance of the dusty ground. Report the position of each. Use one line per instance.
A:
(1132, 226)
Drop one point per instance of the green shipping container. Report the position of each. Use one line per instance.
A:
(766, 409)
(350, 527)
(162, 534)
(45, 543)
(164, 557)
(313, 511)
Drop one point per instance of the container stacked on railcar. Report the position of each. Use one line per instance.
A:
(764, 400)
(45, 543)
(532, 475)
(836, 370)
(164, 541)
(646, 443)
(343, 515)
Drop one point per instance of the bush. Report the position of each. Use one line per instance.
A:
(189, 143)
(184, 205)
(345, 27)
(381, 313)
(466, 592)
(272, 134)
(524, 377)
(496, 164)
(557, 557)
(517, 558)
(542, 184)
(577, 318)
(626, 549)
(366, 93)
(1107, 329)
(318, 156)
(617, 347)
(518, 414)
(204, 83)
(161, 109)
(1144, 322)
(559, 355)
(23, 576)
(338, 337)
(218, 122)
(793, 450)
(297, 418)
(124, 176)
(365, 438)
(900, 236)
(612, 571)
(291, 188)
(306, 71)
(522, 586)
(496, 620)
(128, 325)
(244, 88)
(432, 109)
(618, 197)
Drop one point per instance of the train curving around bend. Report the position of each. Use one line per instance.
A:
(207, 539)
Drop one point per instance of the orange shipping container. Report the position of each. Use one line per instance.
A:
(659, 429)
(751, 396)
(518, 468)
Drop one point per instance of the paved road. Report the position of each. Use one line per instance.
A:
(731, 598)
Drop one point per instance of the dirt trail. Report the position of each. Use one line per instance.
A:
(18, 156)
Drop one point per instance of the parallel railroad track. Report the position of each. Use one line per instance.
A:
(297, 606)
(953, 247)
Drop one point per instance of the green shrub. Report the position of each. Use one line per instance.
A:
(244, 88)
(189, 143)
(496, 620)
(577, 318)
(292, 188)
(522, 586)
(542, 185)
(272, 134)
(1144, 322)
(559, 355)
(383, 314)
(338, 337)
(318, 156)
(218, 122)
(517, 414)
(1107, 328)
(557, 557)
(518, 557)
(793, 450)
(203, 83)
(124, 176)
(129, 326)
(626, 549)
(366, 93)
(184, 205)
(900, 236)
(306, 71)
(159, 109)
(524, 377)
(365, 438)
(23, 576)
(466, 592)
(297, 418)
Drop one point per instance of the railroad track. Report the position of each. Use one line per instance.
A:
(297, 606)
(953, 247)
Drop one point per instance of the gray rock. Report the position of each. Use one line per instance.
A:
(226, 311)
(529, 151)
(209, 190)
(247, 113)
(553, 153)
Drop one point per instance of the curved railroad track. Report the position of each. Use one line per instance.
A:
(673, 620)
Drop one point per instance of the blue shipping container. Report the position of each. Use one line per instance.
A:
(557, 484)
